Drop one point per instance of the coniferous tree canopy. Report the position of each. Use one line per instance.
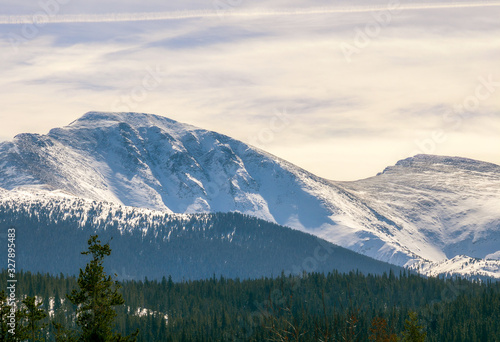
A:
(413, 331)
(311, 307)
(5, 314)
(96, 297)
(33, 314)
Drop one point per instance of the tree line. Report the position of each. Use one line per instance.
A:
(310, 307)
(93, 300)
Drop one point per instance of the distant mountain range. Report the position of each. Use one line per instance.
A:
(431, 213)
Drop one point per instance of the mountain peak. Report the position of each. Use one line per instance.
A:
(426, 207)
(99, 119)
(428, 162)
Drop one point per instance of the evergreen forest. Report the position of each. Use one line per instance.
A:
(310, 307)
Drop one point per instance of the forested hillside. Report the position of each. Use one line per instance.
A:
(336, 306)
(153, 244)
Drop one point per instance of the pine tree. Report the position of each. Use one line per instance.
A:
(96, 298)
(64, 335)
(33, 314)
(5, 312)
(413, 332)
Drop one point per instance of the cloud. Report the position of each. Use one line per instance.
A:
(52, 16)
(347, 120)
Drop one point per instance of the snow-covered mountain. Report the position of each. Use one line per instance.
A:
(447, 209)
(52, 228)
(425, 212)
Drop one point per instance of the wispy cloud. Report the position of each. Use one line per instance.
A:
(347, 120)
(236, 12)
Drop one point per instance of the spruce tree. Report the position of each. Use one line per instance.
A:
(96, 298)
(5, 311)
(33, 314)
(413, 332)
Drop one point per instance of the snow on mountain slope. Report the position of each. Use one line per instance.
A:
(460, 264)
(447, 206)
(60, 206)
(153, 244)
(150, 161)
(414, 212)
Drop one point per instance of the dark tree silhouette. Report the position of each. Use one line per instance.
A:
(33, 314)
(413, 331)
(97, 297)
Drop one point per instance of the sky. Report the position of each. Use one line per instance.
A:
(341, 89)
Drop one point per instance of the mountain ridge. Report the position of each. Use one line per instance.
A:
(154, 244)
(149, 161)
(431, 160)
